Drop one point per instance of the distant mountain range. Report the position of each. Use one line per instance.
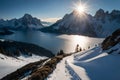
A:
(23, 23)
(46, 24)
(101, 24)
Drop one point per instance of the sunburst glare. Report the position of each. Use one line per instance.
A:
(80, 7)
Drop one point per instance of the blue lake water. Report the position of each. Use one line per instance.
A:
(54, 42)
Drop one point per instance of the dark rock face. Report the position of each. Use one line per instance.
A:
(100, 14)
(112, 40)
(15, 49)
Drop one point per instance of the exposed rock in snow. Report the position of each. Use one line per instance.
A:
(112, 40)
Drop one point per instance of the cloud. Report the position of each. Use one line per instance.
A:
(50, 19)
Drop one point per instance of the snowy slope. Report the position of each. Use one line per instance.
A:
(92, 64)
(10, 64)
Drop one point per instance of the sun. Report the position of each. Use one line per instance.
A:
(81, 8)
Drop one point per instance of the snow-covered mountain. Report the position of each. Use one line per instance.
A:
(23, 23)
(101, 24)
(75, 23)
(106, 23)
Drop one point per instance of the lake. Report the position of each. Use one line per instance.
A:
(54, 42)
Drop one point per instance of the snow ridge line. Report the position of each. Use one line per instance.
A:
(82, 53)
(72, 72)
(85, 52)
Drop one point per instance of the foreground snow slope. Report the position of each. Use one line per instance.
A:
(10, 64)
(92, 64)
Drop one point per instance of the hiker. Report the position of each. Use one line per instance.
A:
(77, 48)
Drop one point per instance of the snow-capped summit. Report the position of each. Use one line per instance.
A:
(27, 21)
(75, 23)
(27, 16)
(100, 14)
(23, 23)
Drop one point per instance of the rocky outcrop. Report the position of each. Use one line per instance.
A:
(112, 40)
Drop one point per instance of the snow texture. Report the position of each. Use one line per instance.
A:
(92, 64)
(10, 64)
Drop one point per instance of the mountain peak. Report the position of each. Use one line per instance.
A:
(100, 10)
(100, 13)
(115, 12)
(27, 16)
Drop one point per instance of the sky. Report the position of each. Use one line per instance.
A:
(51, 10)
